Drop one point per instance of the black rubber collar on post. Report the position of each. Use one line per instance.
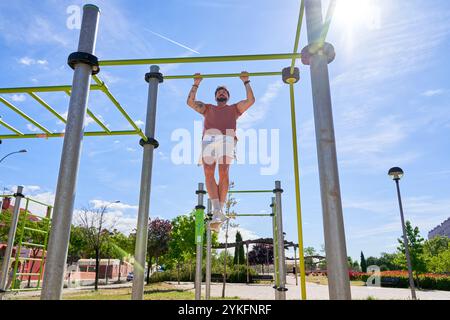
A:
(17, 194)
(290, 78)
(200, 191)
(86, 58)
(199, 207)
(277, 190)
(313, 49)
(154, 75)
(282, 289)
(151, 141)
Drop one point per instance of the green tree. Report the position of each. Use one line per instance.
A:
(309, 252)
(239, 255)
(78, 246)
(437, 254)
(416, 246)
(158, 241)
(182, 242)
(96, 230)
(363, 263)
(387, 261)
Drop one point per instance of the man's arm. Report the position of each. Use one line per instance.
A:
(247, 103)
(191, 102)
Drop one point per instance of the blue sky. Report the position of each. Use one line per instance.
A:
(390, 96)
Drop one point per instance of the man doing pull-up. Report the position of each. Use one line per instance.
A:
(219, 140)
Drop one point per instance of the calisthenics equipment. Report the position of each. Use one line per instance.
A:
(202, 221)
(27, 236)
(317, 54)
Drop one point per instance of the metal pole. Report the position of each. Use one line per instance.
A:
(11, 237)
(405, 243)
(153, 78)
(199, 223)
(280, 241)
(70, 158)
(248, 271)
(208, 252)
(275, 249)
(295, 265)
(335, 245)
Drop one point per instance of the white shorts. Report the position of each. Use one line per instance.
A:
(216, 147)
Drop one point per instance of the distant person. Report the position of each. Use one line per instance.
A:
(219, 140)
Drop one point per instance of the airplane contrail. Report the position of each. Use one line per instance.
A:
(173, 41)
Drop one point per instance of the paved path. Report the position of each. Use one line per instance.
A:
(314, 292)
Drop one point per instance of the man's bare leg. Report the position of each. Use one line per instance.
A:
(224, 180)
(209, 169)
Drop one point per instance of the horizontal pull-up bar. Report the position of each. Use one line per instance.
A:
(223, 75)
(254, 57)
(38, 202)
(61, 134)
(251, 215)
(250, 191)
(42, 89)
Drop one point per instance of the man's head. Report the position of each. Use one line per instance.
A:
(222, 94)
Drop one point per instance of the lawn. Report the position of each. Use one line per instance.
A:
(156, 291)
(324, 281)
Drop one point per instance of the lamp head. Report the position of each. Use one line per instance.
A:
(396, 173)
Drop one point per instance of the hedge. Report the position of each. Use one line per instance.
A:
(400, 279)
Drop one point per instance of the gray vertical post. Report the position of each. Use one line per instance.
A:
(405, 243)
(11, 237)
(199, 244)
(70, 159)
(318, 55)
(275, 249)
(208, 252)
(153, 78)
(248, 270)
(280, 242)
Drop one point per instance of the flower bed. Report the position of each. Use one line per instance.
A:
(400, 279)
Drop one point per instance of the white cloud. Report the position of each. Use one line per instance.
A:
(27, 61)
(18, 97)
(432, 93)
(131, 149)
(139, 123)
(32, 128)
(96, 203)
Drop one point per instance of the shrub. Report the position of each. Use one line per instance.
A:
(400, 279)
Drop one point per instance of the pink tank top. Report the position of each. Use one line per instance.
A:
(222, 119)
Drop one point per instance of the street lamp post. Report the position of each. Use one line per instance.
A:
(396, 174)
(20, 151)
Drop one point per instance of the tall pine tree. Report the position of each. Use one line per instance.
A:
(239, 256)
(363, 263)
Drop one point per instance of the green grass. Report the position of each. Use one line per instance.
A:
(323, 280)
(155, 291)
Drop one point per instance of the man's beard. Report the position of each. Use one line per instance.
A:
(222, 99)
